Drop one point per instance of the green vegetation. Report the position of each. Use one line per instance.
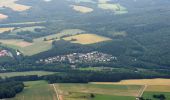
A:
(111, 97)
(12, 74)
(149, 95)
(36, 90)
(94, 91)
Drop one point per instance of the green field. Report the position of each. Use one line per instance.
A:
(11, 74)
(36, 90)
(104, 92)
(111, 97)
(149, 95)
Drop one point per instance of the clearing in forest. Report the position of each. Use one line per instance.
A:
(82, 9)
(86, 38)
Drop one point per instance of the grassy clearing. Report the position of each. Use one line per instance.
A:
(87, 38)
(13, 5)
(36, 90)
(116, 8)
(149, 95)
(6, 29)
(12, 74)
(82, 9)
(158, 81)
(78, 91)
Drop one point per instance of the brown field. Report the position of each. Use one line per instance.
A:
(18, 43)
(158, 88)
(82, 9)
(13, 5)
(6, 29)
(2, 16)
(87, 38)
(157, 81)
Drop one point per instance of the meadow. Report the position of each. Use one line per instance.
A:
(12, 74)
(36, 90)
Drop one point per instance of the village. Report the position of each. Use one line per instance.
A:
(73, 58)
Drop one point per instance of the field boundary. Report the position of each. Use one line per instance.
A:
(56, 92)
(142, 90)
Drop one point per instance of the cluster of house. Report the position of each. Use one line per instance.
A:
(73, 58)
(4, 53)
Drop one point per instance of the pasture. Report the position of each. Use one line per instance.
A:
(82, 9)
(87, 38)
(13, 5)
(36, 90)
(12, 74)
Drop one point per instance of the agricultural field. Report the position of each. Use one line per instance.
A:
(6, 29)
(36, 90)
(93, 91)
(38, 45)
(13, 5)
(82, 9)
(87, 38)
(157, 81)
(15, 42)
(152, 86)
(109, 92)
(12, 74)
